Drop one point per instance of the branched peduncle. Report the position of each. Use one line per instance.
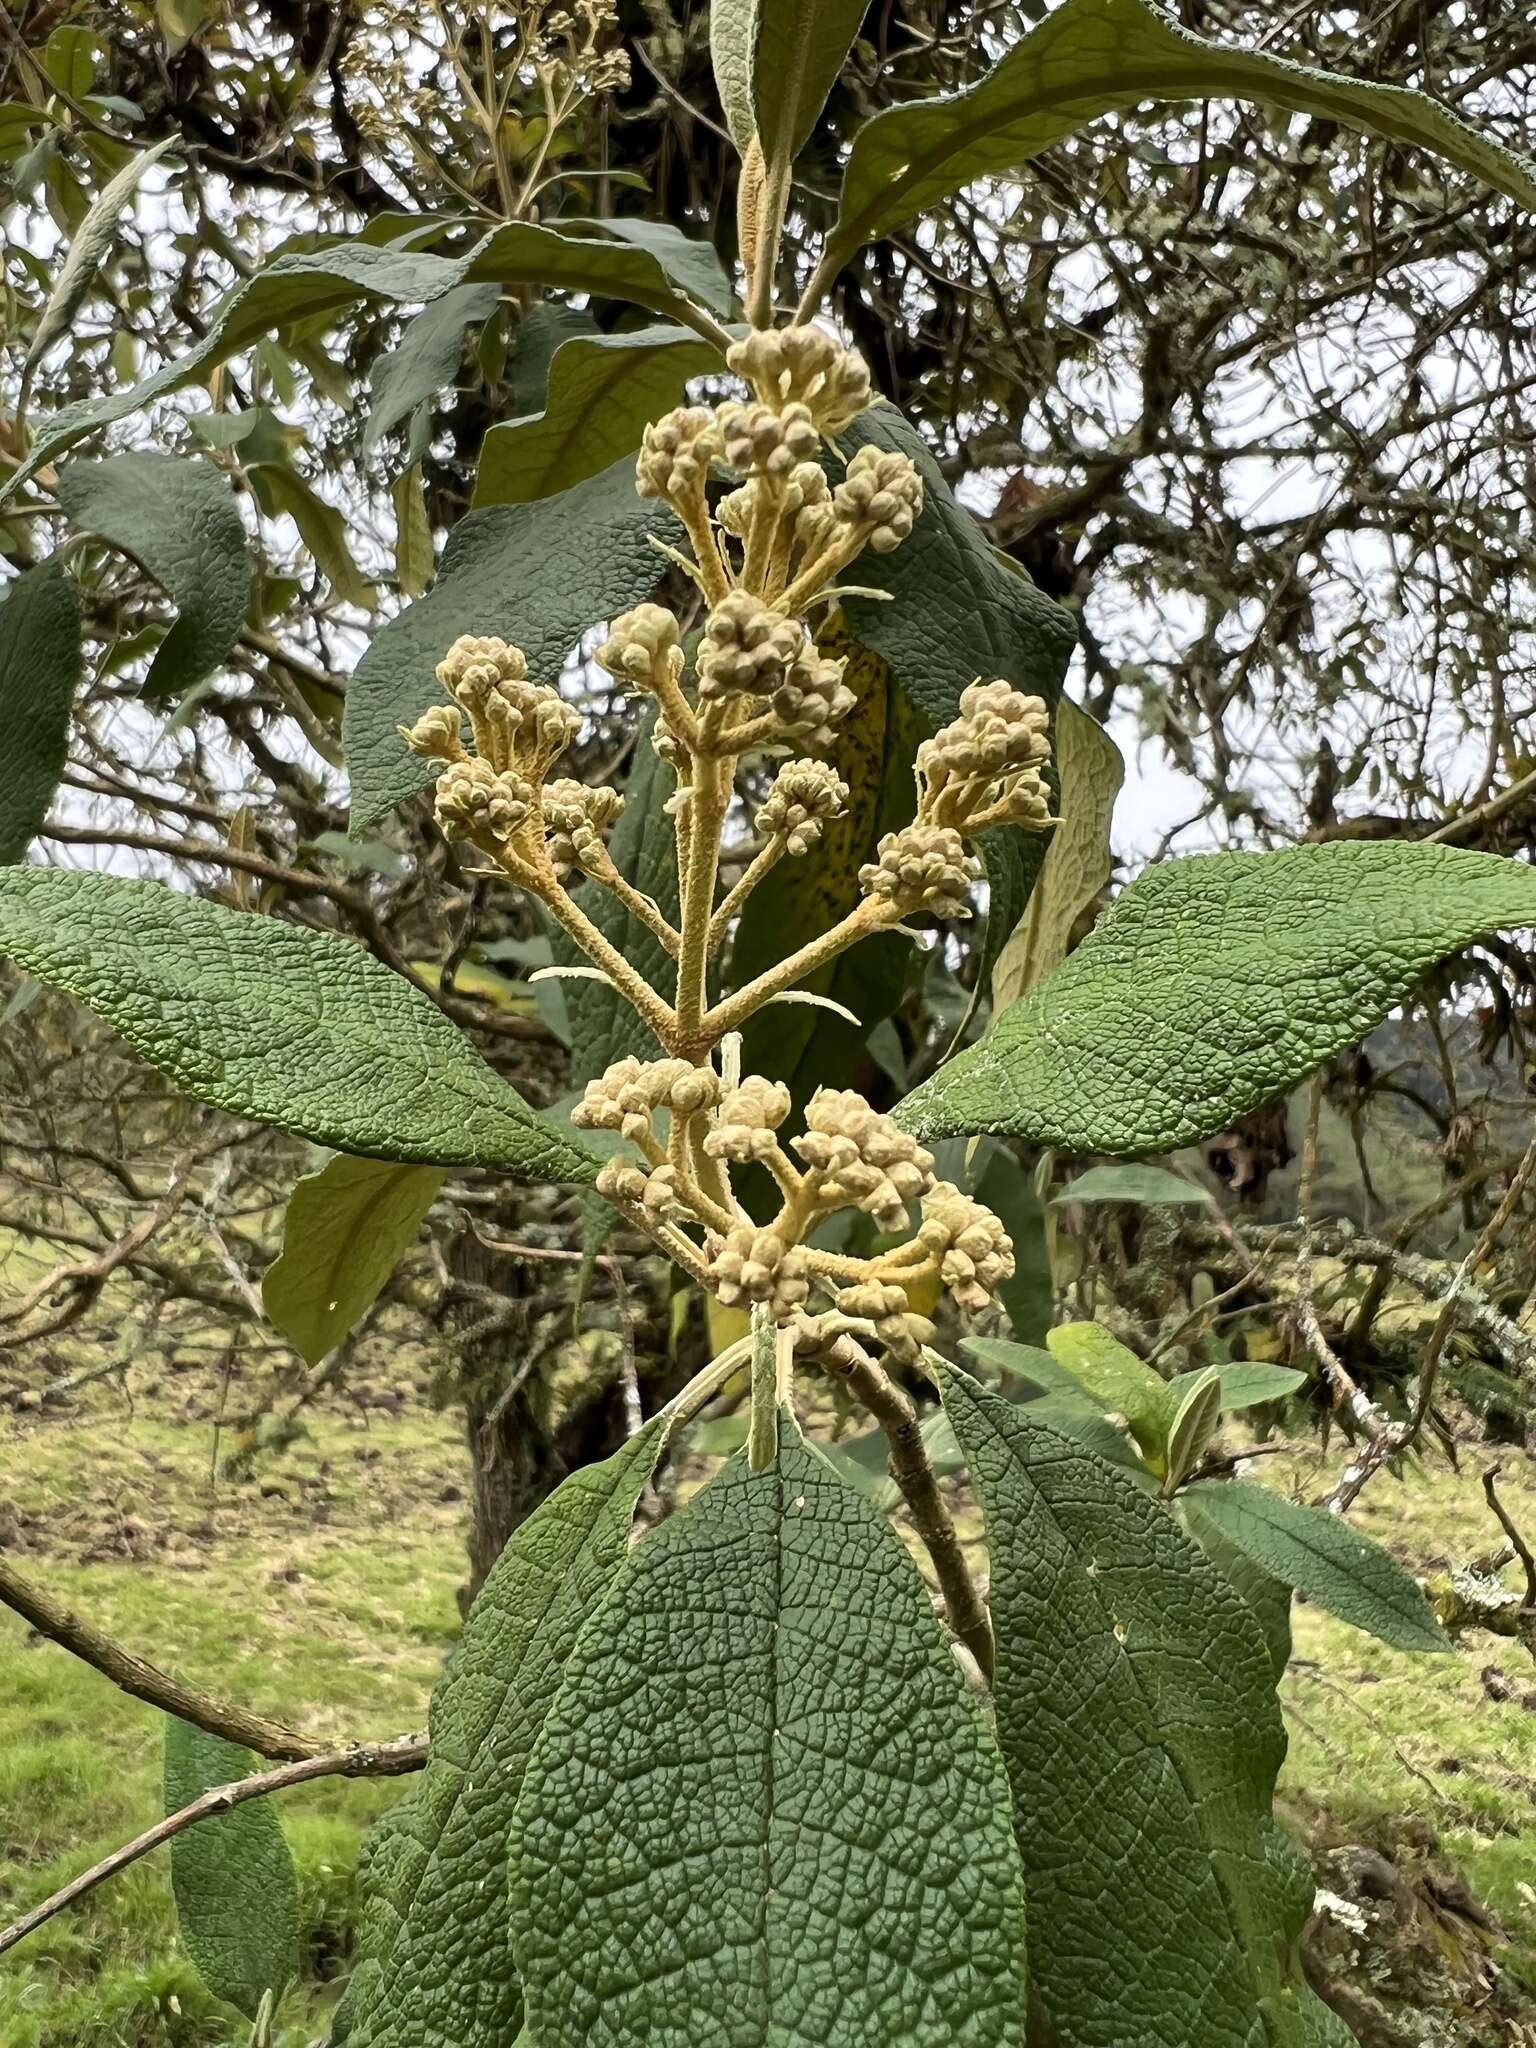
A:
(765, 556)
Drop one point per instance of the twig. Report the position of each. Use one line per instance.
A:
(1518, 1543)
(146, 1681)
(383, 1759)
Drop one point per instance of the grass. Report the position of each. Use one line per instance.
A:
(323, 1591)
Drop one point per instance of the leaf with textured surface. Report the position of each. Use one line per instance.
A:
(1089, 58)
(309, 284)
(798, 47)
(436, 1969)
(1117, 1379)
(539, 575)
(1196, 1411)
(1028, 1362)
(345, 1231)
(764, 1808)
(1270, 1601)
(1130, 1183)
(297, 1028)
(1320, 1555)
(1138, 1721)
(39, 673)
(237, 1904)
(426, 357)
(1077, 864)
(693, 265)
(178, 518)
(542, 329)
(1213, 984)
(961, 611)
(603, 1026)
(603, 390)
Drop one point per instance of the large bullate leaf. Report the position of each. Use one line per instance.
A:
(39, 672)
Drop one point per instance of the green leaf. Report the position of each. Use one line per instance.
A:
(961, 611)
(1137, 1717)
(179, 520)
(1270, 1601)
(415, 559)
(1007, 1187)
(764, 1808)
(1091, 57)
(1246, 1383)
(539, 333)
(426, 357)
(693, 266)
(436, 1966)
(283, 493)
(1077, 864)
(730, 49)
(1118, 1380)
(642, 847)
(1320, 1555)
(1028, 1362)
(344, 1233)
(603, 390)
(297, 1028)
(312, 285)
(539, 575)
(798, 48)
(237, 1903)
(87, 252)
(1145, 1184)
(39, 672)
(1196, 1413)
(1213, 984)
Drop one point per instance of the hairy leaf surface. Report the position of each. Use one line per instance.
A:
(1138, 1721)
(764, 1808)
(539, 575)
(437, 1971)
(425, 358)
(798, 48)
(345, 1231)
(1090, 57)
(178, 518)
(39, 673)
(237, 1904)
(295, 1027)
(1321, 1555)
(603, 389)
(1214, 983)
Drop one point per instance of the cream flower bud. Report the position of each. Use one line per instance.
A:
(675, 455)
(902, 1332)
(476, 802)
(644, 647)
(974, 1251)
(989, 759)
(435, 735)
(813, 700)
(621, 1182)
(482, 661)
(757, 1265)
(747, 1120)
(804, 796)
(807, 365)
(747, 647)
(762, 441)
(866, 1161)
(575, 818)
(881, 497)
(923, 867)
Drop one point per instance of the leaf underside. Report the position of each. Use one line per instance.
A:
(39, 672)
(764, 1809)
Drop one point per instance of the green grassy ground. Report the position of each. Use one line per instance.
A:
(330, 1602)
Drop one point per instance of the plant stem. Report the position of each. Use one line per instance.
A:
(869, 916)
(631, 984)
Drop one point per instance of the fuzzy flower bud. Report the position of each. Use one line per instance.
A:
(865, 1159)
(476, 802)
(804, 365)
(756, 1265)
(746, 1124)
(746, 647)
(804, 796)
(644, 647)
(760, 440)
(435, 735)
(974, 1251)
(923, 867)
(988, 760)
(627, 1095)
(675, 455)
(575, 818)
(621, 1182)
(880, 497)
(813, 700)
(902, 1332)
(477, 663)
